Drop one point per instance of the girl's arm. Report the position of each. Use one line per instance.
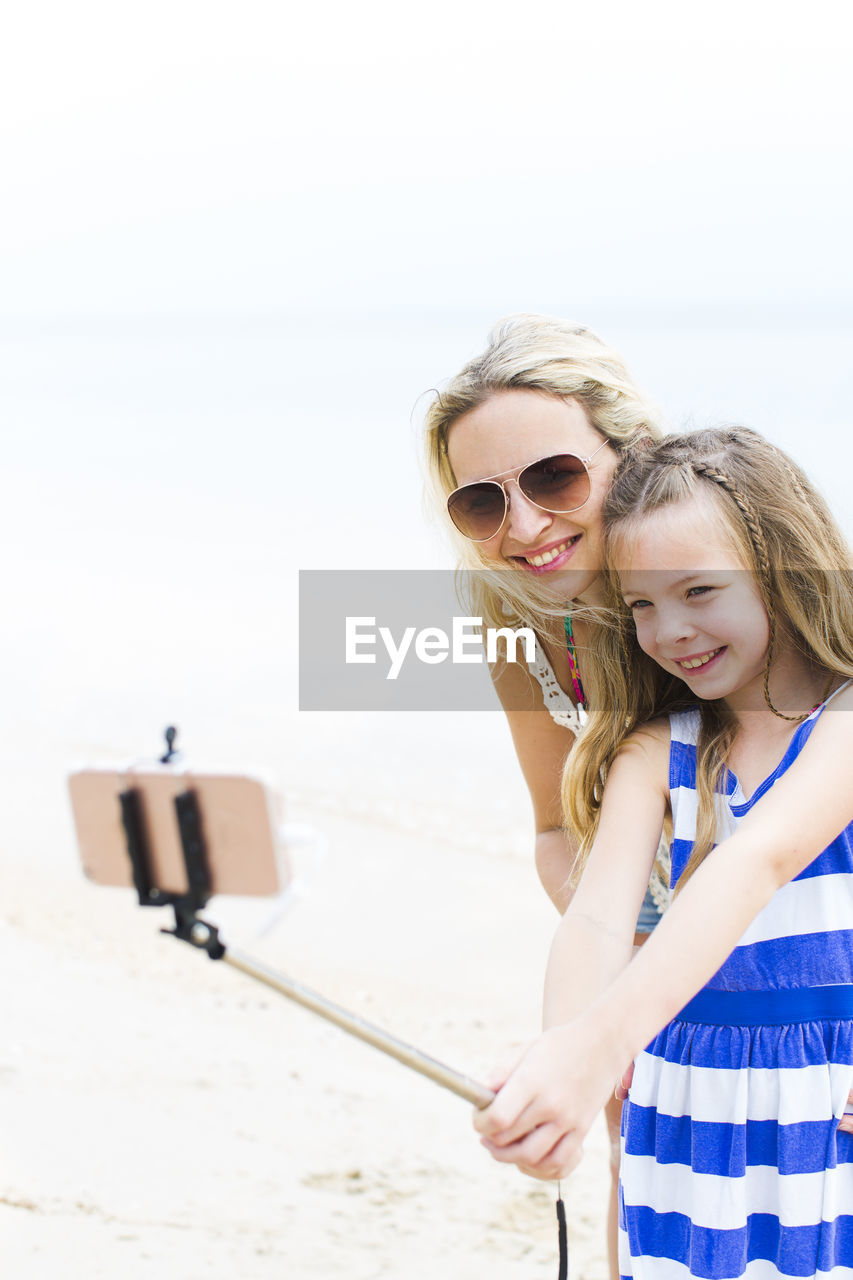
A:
(542, 1113)
(591, 947)
(541, 746)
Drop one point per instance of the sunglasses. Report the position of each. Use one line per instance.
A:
(558, 484)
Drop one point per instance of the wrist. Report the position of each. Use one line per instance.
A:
(593, 1040)
(612, 1033)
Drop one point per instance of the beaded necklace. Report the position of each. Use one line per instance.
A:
(573, 662)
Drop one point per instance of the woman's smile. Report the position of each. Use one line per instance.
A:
(550, 557)
(507, 431)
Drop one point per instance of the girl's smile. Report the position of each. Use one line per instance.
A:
(700, 660)
(696, 606)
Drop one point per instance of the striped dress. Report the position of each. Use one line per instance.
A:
(732, 1163)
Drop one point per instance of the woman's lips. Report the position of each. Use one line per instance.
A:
(550, 558)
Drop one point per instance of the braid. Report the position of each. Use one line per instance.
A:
(782, 530)
(749, 513)
(759, 545)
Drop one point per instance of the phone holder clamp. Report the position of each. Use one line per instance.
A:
(188, 927)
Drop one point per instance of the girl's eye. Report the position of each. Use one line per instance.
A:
(698, 591)
(634, 605)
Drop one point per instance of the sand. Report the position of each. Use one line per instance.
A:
(165, 1116)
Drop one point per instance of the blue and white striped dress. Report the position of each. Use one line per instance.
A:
(732, 1163)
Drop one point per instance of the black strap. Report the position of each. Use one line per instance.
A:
(562, 1238)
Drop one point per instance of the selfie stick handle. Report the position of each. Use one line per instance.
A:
(464, 1086)
(199, 933)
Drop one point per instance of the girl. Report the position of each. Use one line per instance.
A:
(543, 395)
(736, 1159)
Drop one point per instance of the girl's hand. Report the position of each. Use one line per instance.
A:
(504, 1067)
(544, 1110)
(846, 1125)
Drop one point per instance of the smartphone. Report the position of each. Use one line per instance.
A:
(240, 824)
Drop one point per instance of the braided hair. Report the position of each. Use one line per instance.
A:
(802, 566)
(752, 521)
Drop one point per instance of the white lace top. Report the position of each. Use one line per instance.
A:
(564, 712)
(559, 704)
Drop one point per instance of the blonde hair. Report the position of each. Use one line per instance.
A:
(786, 536)
(555, 358)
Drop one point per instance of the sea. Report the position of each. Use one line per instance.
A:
(166, 478)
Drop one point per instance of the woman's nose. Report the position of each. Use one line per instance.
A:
(525, 521)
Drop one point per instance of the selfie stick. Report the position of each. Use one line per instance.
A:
(205, 937)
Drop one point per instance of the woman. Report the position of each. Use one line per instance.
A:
(521, 448)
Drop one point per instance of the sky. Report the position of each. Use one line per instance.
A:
(223, 159)
(240, 241)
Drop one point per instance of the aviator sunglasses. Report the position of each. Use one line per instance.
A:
(557, 484)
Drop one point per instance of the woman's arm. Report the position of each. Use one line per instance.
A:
(593, 942)
(541, 1115)
(541, 746)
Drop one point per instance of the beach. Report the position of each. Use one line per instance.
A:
(243, 250)
(165, 1115)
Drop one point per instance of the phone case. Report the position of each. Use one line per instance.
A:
(239, 827)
